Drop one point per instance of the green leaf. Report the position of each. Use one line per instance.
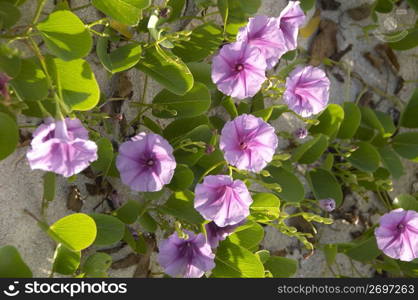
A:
(182, 179)
(65, 35)
(271, 113)
(204, 40)
(12, 264)
(30, 84)
(391, 161)
(369, 118)
(330, 252)
(167, 69)
(325, 185)
(364, 251)
(234, 261)
(409, 116)
(152, 125)
(312, 150)
(147, 222)
(202, 72)
(366, 158)
(235, 13)
(192, 104)
(201, 133)
(76, 83)
(9, 135)
(329, 121)
(292, 188)
(351, 122)
(387, 124)
(405, 201)
(182, 126)
(281, 267)
(181, 205)
(110, 230)
(248, 235)
(10, 62)
(106, 159)
(128, 213)
(307, 4)
(230, 107)
(265, 207)
(406, 145)
(120, 59)
(176, 9)
(9, 15)
(408, 42)
(96, 265)
(49, 186)
(384, 6)
(66, 261)
(125, 11)
(76, 231)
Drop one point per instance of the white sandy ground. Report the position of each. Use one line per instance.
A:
(21, 188)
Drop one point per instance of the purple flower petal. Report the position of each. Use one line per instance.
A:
(215, 234)
(397, 235)
(189, 258)
(291, 18)
(55, 148)
(248, 143)
(239, 70)
(146, 162)
(222, 200)
(307, 91)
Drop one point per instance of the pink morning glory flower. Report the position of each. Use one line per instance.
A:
(397, 235)
(146, 162)
(215, 234)
(62, 147)
(222, 200)
(307, 90)
(248, 143)
(264, 33)
(238, 70)
(291, 18)
(189, 258)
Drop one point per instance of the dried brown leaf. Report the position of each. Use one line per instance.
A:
(324, 44)
(74, 201)
(374, 60)
(360, 12)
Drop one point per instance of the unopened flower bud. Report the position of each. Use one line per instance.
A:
(327, 204)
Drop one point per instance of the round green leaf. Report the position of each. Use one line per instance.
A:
(248, 235)
(65, 35)
(9, 135)
(12, 264)
(204, 40)
(281, 267)
(265, 207)
(292, 188)
(76, 231)
(66, 261)
(408, 42)
(406, 145)
(10, 62)
(329, 121)
(409, 116)
(106, 158)
(366, 158)
(406, 202)
(30, 84)
(128, 213)
(181, 205)
(76, 83)
(167, 69)
(97, 264)
(310, 151)
(234, 261)
(182, 126)
(325, 185)
(182, 179)
(351, 122)
(109, 229)
(391, 161)
(192, 104)
(9, 15)
(125, 11)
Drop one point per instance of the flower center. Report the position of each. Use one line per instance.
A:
(239, 67)
(150, 162)
(401, 227)
(243, 145)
